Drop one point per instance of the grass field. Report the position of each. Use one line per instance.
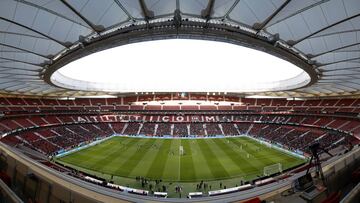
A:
(204, 159)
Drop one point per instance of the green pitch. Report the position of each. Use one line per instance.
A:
(203, 159)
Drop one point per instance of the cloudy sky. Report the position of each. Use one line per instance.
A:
(181, 66)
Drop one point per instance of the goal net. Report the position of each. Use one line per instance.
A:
(272, 169)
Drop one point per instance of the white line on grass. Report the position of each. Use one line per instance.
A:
(179, 161)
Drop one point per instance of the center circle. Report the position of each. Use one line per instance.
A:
(180, 65)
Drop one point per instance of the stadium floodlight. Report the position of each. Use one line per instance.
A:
(204, 66)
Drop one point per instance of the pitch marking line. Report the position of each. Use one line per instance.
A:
(179, 162)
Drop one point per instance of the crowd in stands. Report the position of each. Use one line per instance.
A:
(312, 118)
(300, 138)
(148, 129)
(180, 130)
(117, 127)
(197, 129)
(213, 129)
(163, 129)
(132, 128)
(229, 129)
(49, 140)
(349, 124)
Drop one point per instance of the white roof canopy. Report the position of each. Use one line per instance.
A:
(37, 34)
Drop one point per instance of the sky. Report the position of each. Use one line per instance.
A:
(180, 65)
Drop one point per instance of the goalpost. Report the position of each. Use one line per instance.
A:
(181, 150)
(272, 169)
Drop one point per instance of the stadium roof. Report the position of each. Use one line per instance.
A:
(320, 36)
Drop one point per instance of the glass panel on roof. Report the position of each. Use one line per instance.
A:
(27, 88)
(16, 87)
(339, 56)
(9, 27)
(347, 26)
(44, 22)
(41, 89)
(311, 46)
(346, 72)
(161, 7)
(105, 12)
(27, 39)
(337, 41)
(339, 77)
(243, 14)
(341, 65)
(314, 19)
(3, 85)
(19, 65)
(114, 15)
(58, 9)
(47, 47)
(48, 23)
(22, 56)
(293, 28)
(334, 11)
(132, 7)
(349, 49)
(221, 8)
(17, 71)
(21, 77)
(251, 12)
(61, 29)
(291, 8)
(7, 8)
(354, 84)
(193, 7)
(352, 7)
(25, 14)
